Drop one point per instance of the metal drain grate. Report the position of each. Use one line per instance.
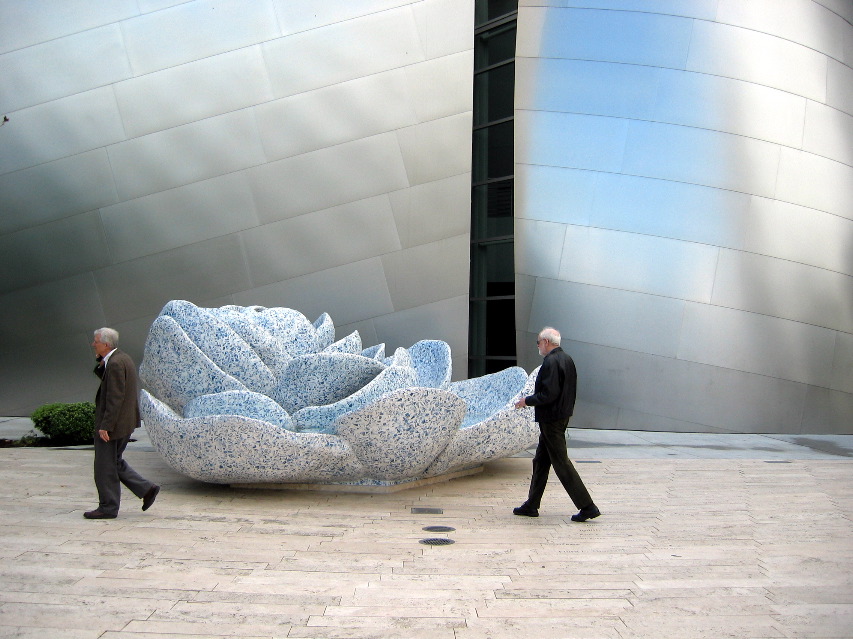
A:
(587, 461)
(427, 511)
(438, 528)
(437, 541)
(776, 461)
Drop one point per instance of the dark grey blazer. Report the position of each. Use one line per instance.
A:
(117, 401)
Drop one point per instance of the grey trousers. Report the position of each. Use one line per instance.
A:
(551, 451)
(111, 471)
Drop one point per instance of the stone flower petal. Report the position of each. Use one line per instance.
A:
(174, 368)
(245, 403)
(324, 378)
(431, 359)
(233, 449)
(325, 329)
(400, 357)
(396, 436)
(375, 352)
(506, 433)
(268, 348)
(488, 394)
(321, 419)
(222, 344)
(291, 328)
(349, 344)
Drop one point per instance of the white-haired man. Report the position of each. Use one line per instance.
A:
(553, 402)
(116, 417)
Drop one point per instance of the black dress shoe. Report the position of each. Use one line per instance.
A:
(97, 514)
(525, 511)
(590, 512)
(150, 496)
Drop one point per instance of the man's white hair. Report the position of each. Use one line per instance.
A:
(551, 335)
(108, 336)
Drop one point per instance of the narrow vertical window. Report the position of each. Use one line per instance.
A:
(491, 343)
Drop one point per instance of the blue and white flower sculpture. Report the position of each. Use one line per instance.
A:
(262, 395)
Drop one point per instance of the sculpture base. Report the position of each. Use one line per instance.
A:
(374, 486)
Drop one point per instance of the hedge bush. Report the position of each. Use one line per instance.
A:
(66, 424)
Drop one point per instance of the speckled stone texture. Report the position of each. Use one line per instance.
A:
(262, 395)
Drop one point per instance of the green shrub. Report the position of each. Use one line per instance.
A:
(66, 424)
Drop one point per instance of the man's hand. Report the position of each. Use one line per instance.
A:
(105, 435)
(521, 403)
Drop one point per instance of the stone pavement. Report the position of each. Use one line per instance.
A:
(702, 536)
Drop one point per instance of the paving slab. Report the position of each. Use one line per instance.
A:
(699, 538)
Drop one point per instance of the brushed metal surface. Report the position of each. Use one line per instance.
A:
(829, 133)
(710, 396)
(22, 24)
(195, 30)
(598, 315)
(428, 273)
(336, 114)
(753, 343)
(641, 263)
(446, 320)
(303, 15)
(784, 289)
(52, 251)
(452, 72)
(704, 9)
(699, 156)
(343, 51)
(842, 366)
(68, 305)
(445, 27)
(197, 272)
(570, 140)
(186, 154)
(436, 149)
(320, 240)
(816, 182)
(557, 194)
(328, 177)
(744, 54)
(354, 292)
(62, 67)
(193, 91)
(539, 247)
(432, 211)
(59, 129)
(55, 190)
(839, 84)
(808, 23)
(180, 216)
(613, 36)
(586, 86)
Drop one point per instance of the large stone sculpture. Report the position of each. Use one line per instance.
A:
(248, 395)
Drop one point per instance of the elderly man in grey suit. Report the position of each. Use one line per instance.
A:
(116, 417)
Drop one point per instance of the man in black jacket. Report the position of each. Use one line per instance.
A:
(553, 402)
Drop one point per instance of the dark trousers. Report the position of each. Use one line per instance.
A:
(551, 451)
(111, 471)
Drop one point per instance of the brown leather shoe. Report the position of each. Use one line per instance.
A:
(150, 496)
(97, 514)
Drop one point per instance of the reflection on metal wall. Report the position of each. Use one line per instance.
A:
(684, 210)
(311, 155)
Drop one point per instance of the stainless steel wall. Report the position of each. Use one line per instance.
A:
(293, 153)
(684, 175)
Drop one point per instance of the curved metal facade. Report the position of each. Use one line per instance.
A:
(314, 155)
(684, 209)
